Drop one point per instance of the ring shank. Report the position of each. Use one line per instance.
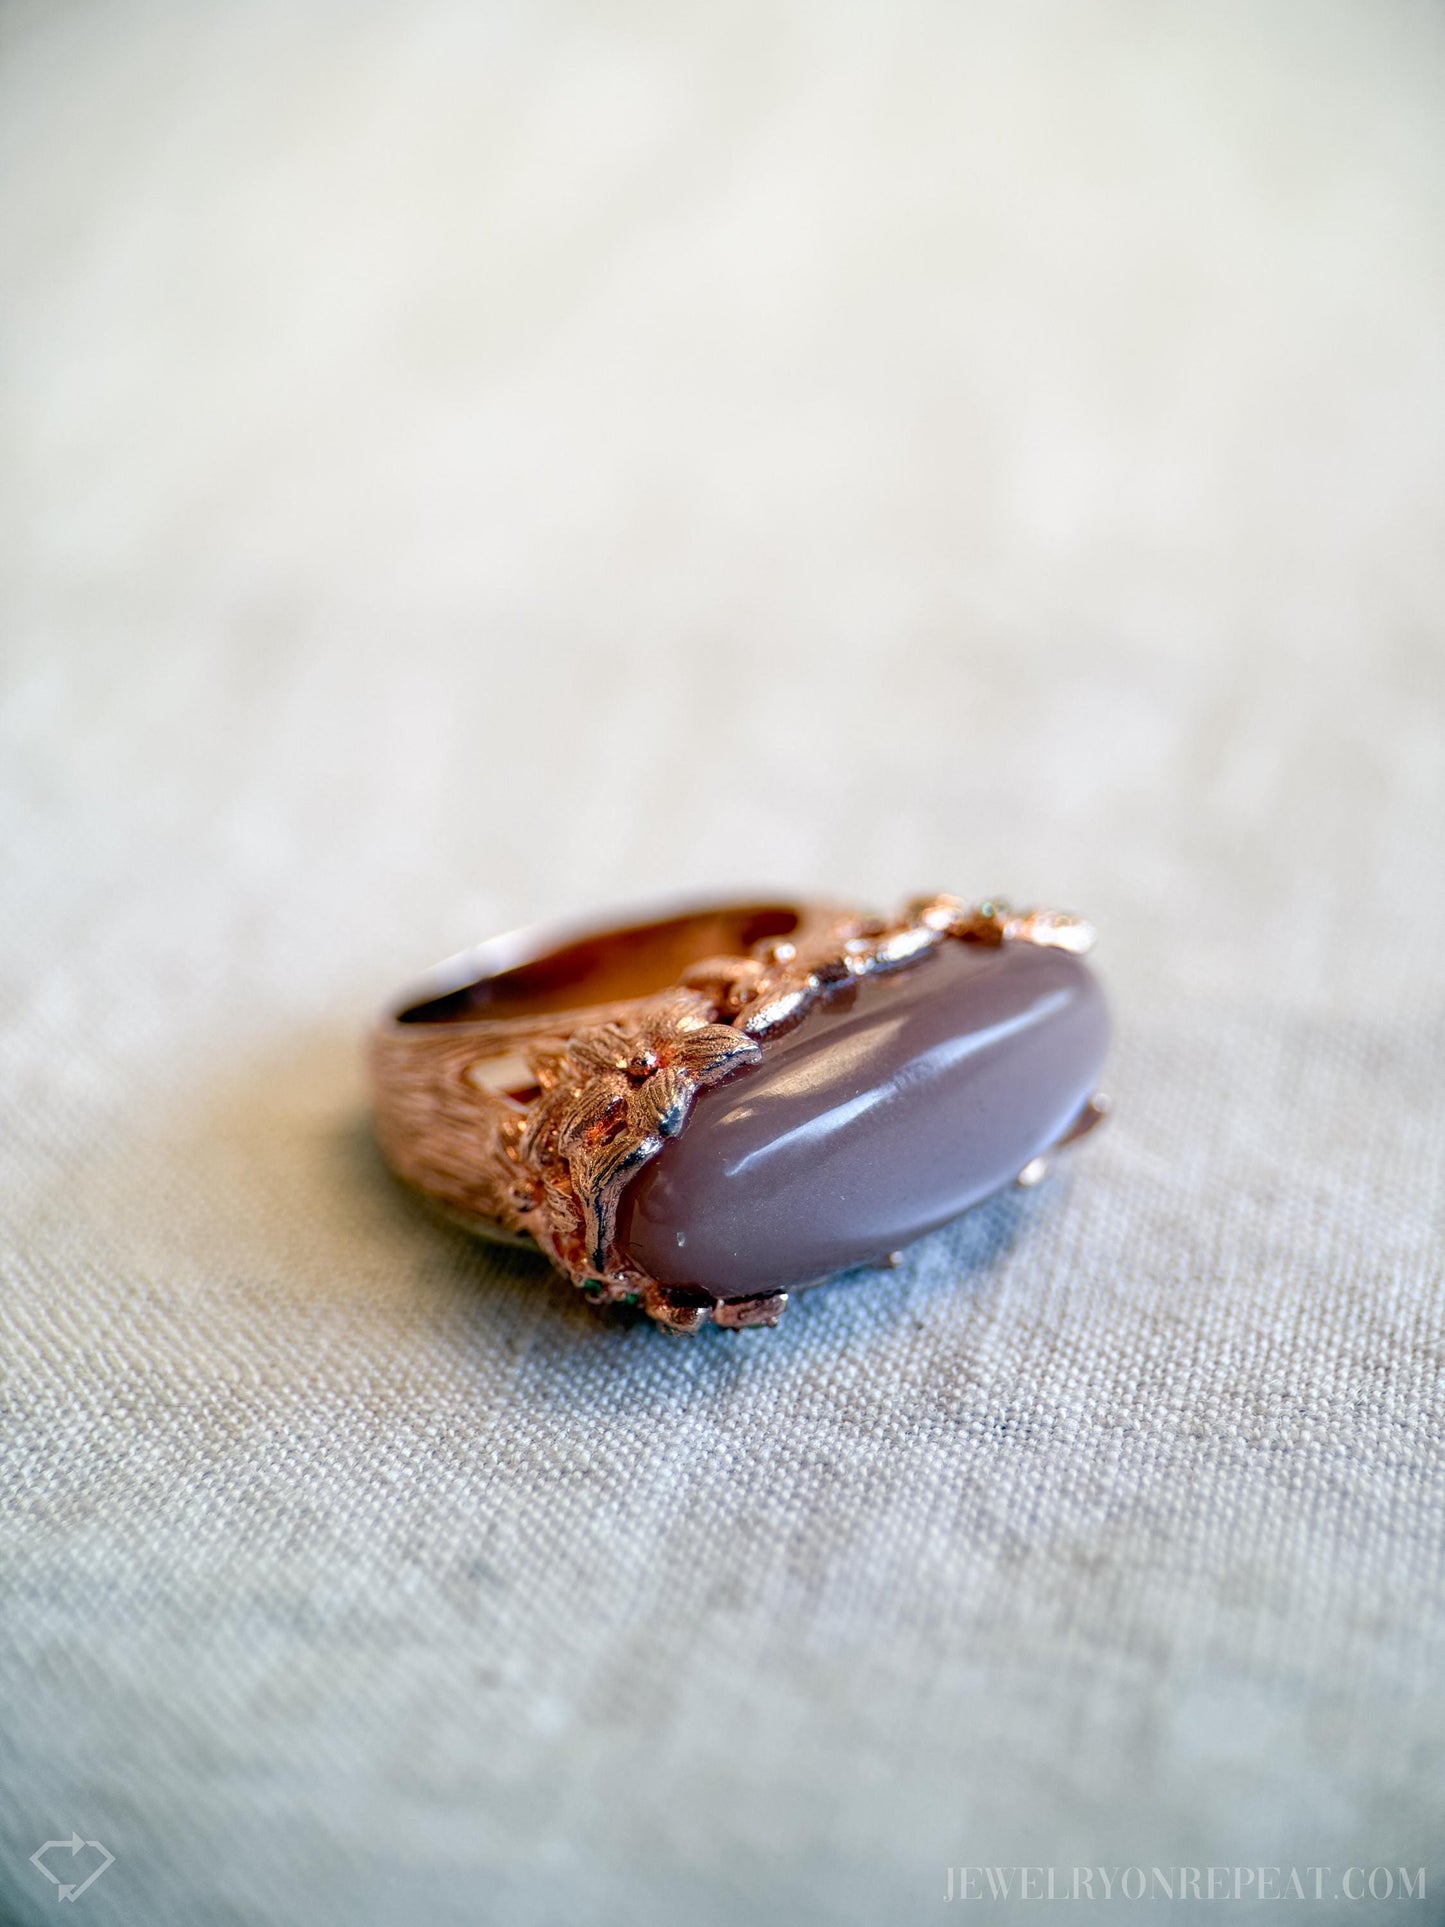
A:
(544, 972)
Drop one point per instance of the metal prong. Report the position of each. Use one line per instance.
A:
(1089, 1119)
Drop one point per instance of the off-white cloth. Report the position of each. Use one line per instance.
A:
(466, 464)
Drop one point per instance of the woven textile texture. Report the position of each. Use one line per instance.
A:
(466, 464)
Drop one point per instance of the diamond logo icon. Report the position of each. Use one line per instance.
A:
(71, 1888)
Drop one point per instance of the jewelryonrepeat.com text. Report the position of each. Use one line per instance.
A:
(1183, 1883)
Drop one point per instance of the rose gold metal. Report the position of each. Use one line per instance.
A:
(523, 1084)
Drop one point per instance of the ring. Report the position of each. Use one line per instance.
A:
(704, 1109)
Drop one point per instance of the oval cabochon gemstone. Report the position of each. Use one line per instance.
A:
(891, 1108)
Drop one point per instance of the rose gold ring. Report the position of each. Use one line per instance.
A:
(700, 1110)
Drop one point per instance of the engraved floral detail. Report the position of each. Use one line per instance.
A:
(611, 1097)
(993, 921)
(768, 992)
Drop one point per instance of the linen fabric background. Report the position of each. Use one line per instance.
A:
(470, 464)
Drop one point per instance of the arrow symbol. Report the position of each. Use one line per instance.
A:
(72, 1890)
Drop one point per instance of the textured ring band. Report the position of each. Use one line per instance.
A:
(703, 1110)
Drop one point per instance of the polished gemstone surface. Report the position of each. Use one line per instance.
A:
(904, 1100)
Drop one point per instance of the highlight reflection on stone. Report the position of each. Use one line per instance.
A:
(903, 1100)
